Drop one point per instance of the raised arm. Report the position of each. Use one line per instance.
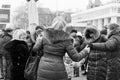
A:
(73, 54)
(38, 44)
(109, 45)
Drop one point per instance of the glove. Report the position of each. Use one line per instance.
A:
(90, 45)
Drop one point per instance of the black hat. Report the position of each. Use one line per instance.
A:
(75, 31)
(39, 27)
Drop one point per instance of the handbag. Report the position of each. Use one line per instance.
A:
(30, 72)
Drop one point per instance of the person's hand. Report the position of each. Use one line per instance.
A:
(87, 48)
(39, 38)
(90, 45)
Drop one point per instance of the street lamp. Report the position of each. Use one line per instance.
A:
(56, 7)
(32, 14)
(36, 0)
(28, 0)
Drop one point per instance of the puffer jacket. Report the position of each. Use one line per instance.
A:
(97, 61)
(112, 47)
(55, 45)
(19, 53)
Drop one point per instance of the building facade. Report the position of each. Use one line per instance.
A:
(99, 16)
(4, 16)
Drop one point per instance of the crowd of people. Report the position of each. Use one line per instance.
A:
(62, 53)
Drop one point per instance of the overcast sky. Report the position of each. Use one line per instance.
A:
(53, 4)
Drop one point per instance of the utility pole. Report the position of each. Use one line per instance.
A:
(32, 15)
(57, 12)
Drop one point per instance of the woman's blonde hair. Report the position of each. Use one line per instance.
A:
(58, 23)
(18, 33)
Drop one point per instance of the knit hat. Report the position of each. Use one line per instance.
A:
(39, 27)
(75, 31)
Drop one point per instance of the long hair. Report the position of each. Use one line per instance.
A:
(58, 23)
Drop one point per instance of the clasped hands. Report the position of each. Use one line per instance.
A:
(88, 47)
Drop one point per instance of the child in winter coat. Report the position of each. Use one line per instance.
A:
(69, 67)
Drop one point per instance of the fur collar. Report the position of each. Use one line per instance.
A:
(17, 42)
(13, 44)
(56, 36)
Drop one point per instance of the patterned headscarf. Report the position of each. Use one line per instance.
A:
(18, 33)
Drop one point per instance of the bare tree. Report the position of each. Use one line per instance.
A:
(20, 19)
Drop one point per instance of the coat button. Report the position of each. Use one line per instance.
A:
(18, 64)
(18, 57)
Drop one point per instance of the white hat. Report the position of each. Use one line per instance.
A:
(79, 34)
(9, 26)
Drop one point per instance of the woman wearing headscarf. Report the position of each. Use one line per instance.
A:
(55, 43)
(97, 60)
(18, 51)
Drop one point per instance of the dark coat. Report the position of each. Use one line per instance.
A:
(81, 45)
(97, 61)
(112, 47)
(18, 51)
(55, 45)
(5, 38)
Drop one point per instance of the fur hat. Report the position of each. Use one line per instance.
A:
(91, 34)
(39, 27)
(113, 26)
(9, 27)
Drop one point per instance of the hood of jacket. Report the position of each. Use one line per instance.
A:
(56, 36)
(114, 32)
(91, 34)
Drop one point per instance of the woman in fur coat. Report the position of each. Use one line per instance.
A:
(18, 50)
(97, 61)
(56, 43)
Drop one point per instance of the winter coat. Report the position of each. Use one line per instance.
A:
(81, 45)
(1, 44)
(69, 69)
(97, 68)
(112, 47)
(55, 45)
(5, 57)
(5, 38)
(18, 51)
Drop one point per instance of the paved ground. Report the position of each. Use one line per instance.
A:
(75, 78)
(80, 78)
